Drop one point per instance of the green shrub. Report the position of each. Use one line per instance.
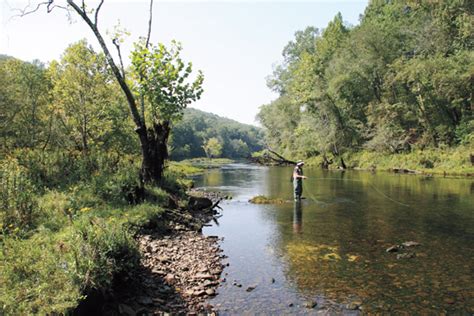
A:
(119, 185)
(18, 207)
(38, 276)
(142, 216)
(55, 208)
(50, 273)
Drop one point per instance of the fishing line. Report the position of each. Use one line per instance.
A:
(373, 187)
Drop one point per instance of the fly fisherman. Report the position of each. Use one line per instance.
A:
(298, 180)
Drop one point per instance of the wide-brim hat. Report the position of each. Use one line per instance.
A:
(300, 163)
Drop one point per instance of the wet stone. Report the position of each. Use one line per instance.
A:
(394, 248)
(354, 305)
(210, 292)
(410, 244)
(407, 255)
(310, 304)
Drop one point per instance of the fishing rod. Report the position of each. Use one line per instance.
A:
(354, 180)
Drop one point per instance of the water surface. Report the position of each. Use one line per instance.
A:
(331, 247)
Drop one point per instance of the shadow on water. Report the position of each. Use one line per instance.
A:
(330, 248)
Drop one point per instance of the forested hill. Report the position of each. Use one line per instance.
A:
(399, 82)
(200, 133)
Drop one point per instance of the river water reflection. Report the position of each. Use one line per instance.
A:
(331, 247)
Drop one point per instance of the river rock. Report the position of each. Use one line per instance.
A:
(169, 278)
(310, 304)
(251, 288)
(353, 305)
(407, 255)
(394, 248)
(210, 292)
(199, 203)
(203, 276)
(199, 293)
(410, 244)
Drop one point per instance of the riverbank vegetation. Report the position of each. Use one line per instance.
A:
(393, 91)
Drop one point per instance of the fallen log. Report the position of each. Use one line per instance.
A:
(403, 170)
(283, 159)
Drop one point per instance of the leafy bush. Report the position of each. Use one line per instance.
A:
(55, 208)
(18, 209)
(120, 185)
(50, 273)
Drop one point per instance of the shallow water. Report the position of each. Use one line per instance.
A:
(331, 247)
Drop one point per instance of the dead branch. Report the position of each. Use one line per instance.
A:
(117, 45)
(281, 157)
(149, 24)
(49, 7)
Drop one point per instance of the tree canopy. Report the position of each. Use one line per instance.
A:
(400, 80)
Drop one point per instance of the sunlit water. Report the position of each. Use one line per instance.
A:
(331, 247)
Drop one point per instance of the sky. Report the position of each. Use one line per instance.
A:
(235, 43)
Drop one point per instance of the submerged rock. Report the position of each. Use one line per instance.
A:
(262, 199)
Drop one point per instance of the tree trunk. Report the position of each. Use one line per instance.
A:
(155, 152)
(326, 162)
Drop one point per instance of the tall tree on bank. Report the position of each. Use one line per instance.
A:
(153, 139)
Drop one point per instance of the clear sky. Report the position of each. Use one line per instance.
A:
(235, 43)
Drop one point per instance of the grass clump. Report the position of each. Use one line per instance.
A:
(262, 199)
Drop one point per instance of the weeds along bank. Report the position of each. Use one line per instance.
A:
(448, 161)
(67, 224)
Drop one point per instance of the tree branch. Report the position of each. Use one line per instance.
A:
(117, 45)
(140, 124)
(49, 7)
(97, 13)
(149, 24)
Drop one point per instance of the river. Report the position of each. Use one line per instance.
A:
(330, 248)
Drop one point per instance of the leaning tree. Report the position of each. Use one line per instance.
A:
(158, 90)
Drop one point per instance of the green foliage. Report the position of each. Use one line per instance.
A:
(213, 148)
(399, 81)
(84, 98)
(19, 209)
(161, 76)
(24, 97)
(189, 136)
(455, 161)
(49, 273)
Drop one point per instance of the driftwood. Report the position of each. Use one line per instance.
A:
(282, 159)
(271, 157)
(403, 170)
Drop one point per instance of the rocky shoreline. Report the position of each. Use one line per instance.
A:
(180, 268)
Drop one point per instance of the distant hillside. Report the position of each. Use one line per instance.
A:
(196, 128)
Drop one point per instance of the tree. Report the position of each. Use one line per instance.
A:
(23, 103)
(82, 95)
(161, 77)
(213, 148)
(152, 139)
